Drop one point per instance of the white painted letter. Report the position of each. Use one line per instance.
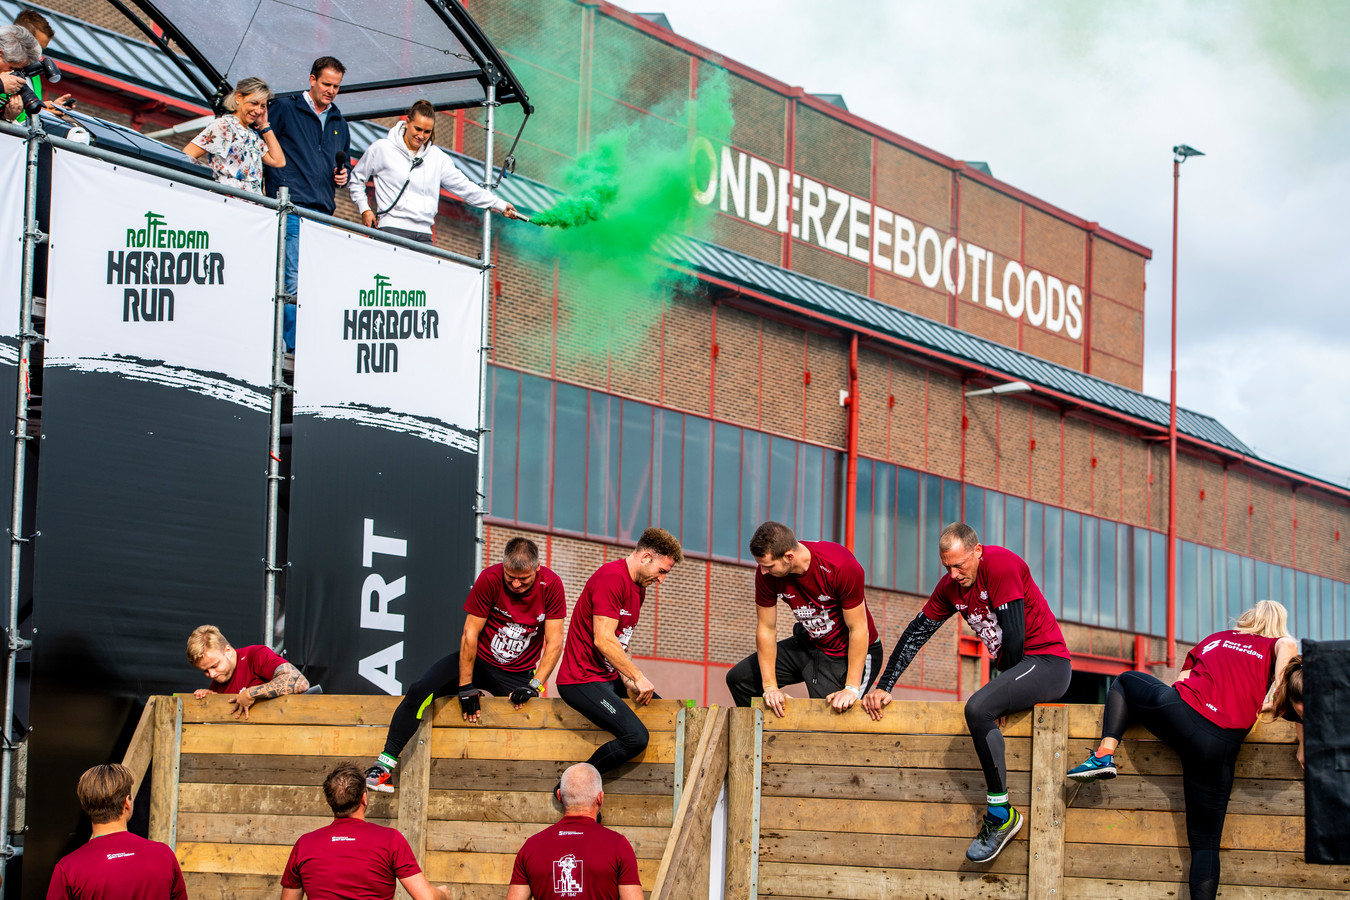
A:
(732, 182)
(1013, 302)
(976, 255)
(858, 228)
(813, 207)
(1035, 315)
(761, 172)
(1073, 302)
(994, 302)
(930, 277)
(834, 240)
(947, 250)
(379, 669)
(1054, 303)
(703, 147)
(881, 238)
(372, 543)
(377, 615)
(784, 201)
(906, 256)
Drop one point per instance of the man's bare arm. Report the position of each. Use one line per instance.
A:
(419, 888)
(553, 647)
(286, 679)
(292, 893)
(522, 892)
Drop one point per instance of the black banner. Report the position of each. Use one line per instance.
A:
(1326, 752)
(381, 546)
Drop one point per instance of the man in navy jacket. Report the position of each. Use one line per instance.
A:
(313, 135)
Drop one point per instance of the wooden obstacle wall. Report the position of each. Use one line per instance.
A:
(834, 805)
(232, 797)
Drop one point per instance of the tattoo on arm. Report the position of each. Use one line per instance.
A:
(916, 635)
(285, 680)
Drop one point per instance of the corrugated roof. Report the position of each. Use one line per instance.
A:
(132, 60)
(101, 49)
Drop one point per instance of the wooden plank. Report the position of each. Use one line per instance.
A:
(221, 886)
(507, 837)
(259, 769)
(414, 783)
(245, 859)
(376, 711)
(901, 751)
(295, 709)
(1262, 868)
(542, 775)
(164, 777)
(902, 717)
(245, 828)
(142, 747)
(495, 868)
(828, 848)
(873, 817)
(694, 720)
(542, 744)
(862, 883)
(742, 779)
(539, 806)
(886, 783)
(1050, 735)
(344, 741)
(1149, 828)
(688, 842)
(269, 799)
(1104, 889)
(1251, 796)
(1085, 723)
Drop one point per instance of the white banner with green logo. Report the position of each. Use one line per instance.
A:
(387, 336)
(157, 280)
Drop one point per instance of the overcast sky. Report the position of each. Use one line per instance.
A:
(1079, 103)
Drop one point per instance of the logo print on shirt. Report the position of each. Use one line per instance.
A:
(817, 622)
(119, 855)
(986, 628)
(787, 596)
(567, 876)
(511, 640)
(984, 595)
(1210, 646)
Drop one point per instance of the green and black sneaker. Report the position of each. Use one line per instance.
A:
(993, 837)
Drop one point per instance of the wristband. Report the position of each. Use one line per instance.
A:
(857, 691)
(264, 129)
(536, 684)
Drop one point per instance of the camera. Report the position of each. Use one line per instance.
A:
(43, 67)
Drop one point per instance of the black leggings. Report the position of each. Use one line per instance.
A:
(1036, 679)
(442, 680)
(603, 703)
(799, 661)
(1208, 758)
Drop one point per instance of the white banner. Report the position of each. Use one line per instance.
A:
(160, 281)
(387, 336)
(12, 154)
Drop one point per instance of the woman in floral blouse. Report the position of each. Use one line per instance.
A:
(241, 142)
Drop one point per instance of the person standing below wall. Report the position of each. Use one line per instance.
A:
(350, 858)
(115, 864)
(409, 172)
(578, 858)
(512, 638)
(250, 673)
(237, 145)
(597, 674)
(317, 145)
(1204, 716)
(834, 646)
(993, 590)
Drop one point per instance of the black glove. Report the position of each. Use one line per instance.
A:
(520, 695)
(468, 699)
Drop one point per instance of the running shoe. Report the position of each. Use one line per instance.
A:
(378, 778)
(1094, 768)
(993, 837)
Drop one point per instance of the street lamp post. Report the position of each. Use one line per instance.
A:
(1180, 154)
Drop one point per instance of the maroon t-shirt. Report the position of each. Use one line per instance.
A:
(1001, 578)
(610, 592)
(119, 866)
(257, 664)
(1230, 674)
(350, 859)
(513, 637)
(832, 583)
(576, 860)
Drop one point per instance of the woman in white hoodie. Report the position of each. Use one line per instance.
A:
(409, 172)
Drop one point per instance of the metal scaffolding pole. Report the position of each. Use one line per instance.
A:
(480, 504)
(279, 388)
(32, 236)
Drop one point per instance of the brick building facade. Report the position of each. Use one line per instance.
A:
(721, 406)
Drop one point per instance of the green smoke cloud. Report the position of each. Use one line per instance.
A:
(629, 189)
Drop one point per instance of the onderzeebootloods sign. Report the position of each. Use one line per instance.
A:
(757, 191)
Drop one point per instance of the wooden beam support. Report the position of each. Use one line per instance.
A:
(142, 748)
(678, 875)
(1049, 750)
(743, 790)
(164, 777)
(414, 788)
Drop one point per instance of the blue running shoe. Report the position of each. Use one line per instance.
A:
(1094, 768)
